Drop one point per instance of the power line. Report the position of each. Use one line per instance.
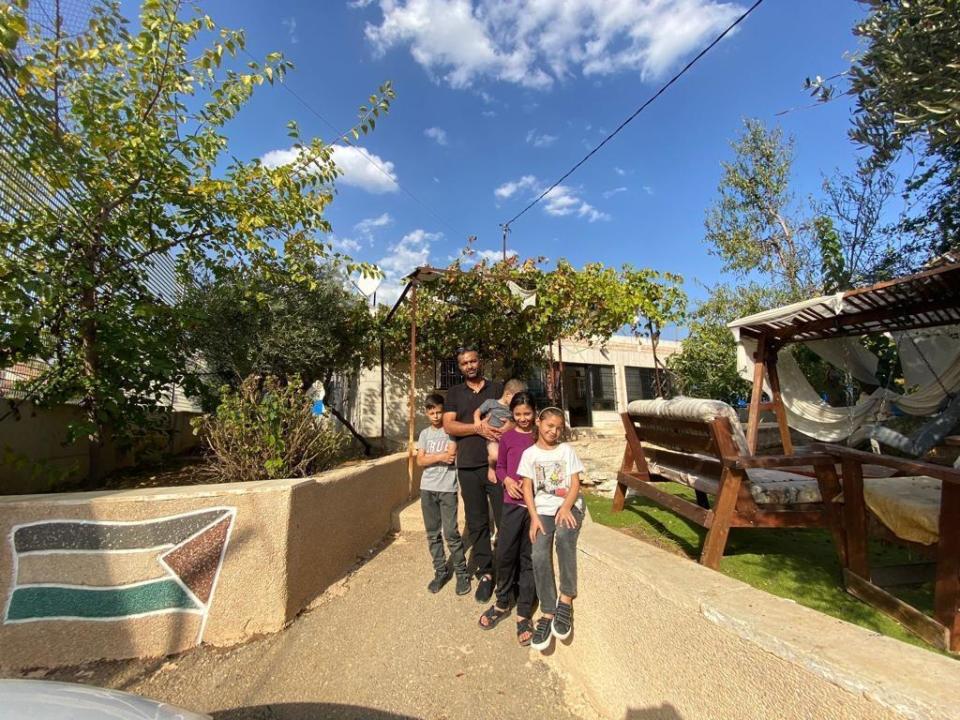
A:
(342, 137)
(639, 110)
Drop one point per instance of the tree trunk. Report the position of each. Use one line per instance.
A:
(551, 378)
(657, 375)
(91, 367)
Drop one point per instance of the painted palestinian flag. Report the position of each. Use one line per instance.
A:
(105, 570)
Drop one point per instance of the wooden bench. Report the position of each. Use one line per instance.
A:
(918, 508)
(699, 443)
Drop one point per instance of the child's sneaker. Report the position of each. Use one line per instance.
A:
(439, 580)
(463, 584)
(562, 624)
(541, 636)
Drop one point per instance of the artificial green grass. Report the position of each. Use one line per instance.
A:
(797, 564)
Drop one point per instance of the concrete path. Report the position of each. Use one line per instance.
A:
(375, 645)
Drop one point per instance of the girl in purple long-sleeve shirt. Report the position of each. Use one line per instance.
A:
(514, 550)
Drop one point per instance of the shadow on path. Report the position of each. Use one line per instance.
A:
(307, 711)
(660, 712)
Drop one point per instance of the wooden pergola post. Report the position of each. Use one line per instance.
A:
(777, 403)
(765, 359)
(756, 395)
(412, 410)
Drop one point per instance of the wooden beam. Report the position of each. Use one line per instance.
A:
(915, 621)
(776, 461)
(412, 409)
(723, 511)
(777, 402)
(829, 483)
(855, 518)
(849, 324)
(756, 395)
(946, 591)
(677, 504)
(908, 467)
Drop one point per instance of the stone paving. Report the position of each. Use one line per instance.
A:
(375, 645)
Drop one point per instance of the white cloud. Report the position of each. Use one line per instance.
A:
(489, 113)
(560, 201)
(359, 168)
(541, 141)
(411, 252)
(534, 43)
(362, 169)
(366, 227)
(355, 4)
(648, 190)
(614, 191)
(508, 189)
(494, 256)
(343, 244)
(437, 134)
(564, 200)
(619, 171)
(290, 24)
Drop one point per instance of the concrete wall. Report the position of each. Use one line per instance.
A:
(661, 637)
(40, 434)
(620, 353)
(145, 573)
(365, 408)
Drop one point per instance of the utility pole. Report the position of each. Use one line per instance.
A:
(506, 230)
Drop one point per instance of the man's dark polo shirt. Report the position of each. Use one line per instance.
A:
(472, 449)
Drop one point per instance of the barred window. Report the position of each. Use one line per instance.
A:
(448, 374)
(603, 387)
(641, 383)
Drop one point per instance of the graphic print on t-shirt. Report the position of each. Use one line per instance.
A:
(436, 445)
(551, 477)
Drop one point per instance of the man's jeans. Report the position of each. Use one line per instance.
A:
(440, 511)
(566, 561)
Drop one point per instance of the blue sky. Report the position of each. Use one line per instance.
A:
(495, 101)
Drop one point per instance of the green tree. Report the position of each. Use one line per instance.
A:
(475, 305)
(707, 365)
(250, 322)
(856, 246)
(753, 226)
(126, 128)
(906, 82)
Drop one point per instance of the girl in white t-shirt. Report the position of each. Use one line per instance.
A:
(551, 490)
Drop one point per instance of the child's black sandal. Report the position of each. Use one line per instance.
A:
(493, 614)
(524, 627)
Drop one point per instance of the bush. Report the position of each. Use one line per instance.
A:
(265, 430)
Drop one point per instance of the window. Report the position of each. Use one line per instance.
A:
(603, 387)
(448, 374)
(641, 383)
(537, 386)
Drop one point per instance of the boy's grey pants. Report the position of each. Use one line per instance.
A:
(566, 561)
(440, 511)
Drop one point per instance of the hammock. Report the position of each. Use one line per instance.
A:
(807, 413)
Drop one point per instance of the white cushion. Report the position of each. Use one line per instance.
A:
(777, 487)
(909, 506)
(695, 409)
(767, 487)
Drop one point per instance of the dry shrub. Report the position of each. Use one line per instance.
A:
(266, 430)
